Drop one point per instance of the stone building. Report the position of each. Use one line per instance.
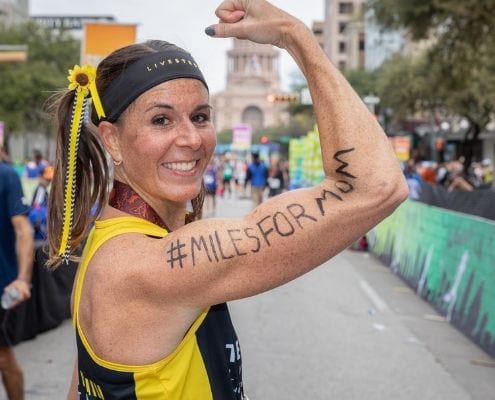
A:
(252, 76)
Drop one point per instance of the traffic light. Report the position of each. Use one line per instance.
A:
(282, 97)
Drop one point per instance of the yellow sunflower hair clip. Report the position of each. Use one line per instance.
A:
(83, 82)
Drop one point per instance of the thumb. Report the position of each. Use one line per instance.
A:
(225, 30)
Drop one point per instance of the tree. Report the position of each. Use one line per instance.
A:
(458, 67)
(362, 81)
(25, 86)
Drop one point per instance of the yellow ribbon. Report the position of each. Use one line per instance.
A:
(96, 99)
(83, 81)
(71, 165)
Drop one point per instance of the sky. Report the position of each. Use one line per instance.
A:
(181, 22)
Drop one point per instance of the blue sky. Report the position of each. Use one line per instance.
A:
(181, 22)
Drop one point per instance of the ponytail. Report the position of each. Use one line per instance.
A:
(91, 180)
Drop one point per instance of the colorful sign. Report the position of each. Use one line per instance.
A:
(241, 137)
(305, 160)
(402, 147)
(100, 39)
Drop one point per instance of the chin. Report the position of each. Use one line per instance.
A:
(184, 194)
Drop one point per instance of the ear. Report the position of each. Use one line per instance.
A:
(109, 136)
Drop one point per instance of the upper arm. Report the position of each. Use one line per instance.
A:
(211, 261)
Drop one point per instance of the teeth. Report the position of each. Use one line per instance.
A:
(181, 166)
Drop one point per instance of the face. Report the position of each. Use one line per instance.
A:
(165, 140)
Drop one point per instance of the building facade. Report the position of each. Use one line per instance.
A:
(252, 76)
(344, 33)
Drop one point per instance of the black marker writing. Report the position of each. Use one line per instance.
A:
(213, 247)
(344, 186)
(198, 244)
(255, 238)
(175, 254)
(235, 239)
(324, 195)
(297, 211)
(341, 169)
(263, 232)
(280, 219)
(220, 248)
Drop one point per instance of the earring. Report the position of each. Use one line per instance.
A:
(117, 163)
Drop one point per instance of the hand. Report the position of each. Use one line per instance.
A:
(24, 289)
(255, 20)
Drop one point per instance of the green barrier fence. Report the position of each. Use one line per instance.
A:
(449, 259)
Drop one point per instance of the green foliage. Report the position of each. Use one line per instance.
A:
(364, 82)
(456, 73)
(25, 86)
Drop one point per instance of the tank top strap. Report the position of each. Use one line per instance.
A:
(103, 231)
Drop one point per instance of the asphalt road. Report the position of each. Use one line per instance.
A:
(350, 329)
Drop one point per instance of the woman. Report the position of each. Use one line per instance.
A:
(149, 299)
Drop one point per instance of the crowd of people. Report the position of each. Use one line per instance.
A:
(232, 176)
(452, 175)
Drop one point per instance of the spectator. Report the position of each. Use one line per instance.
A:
(39, 207)
(16, 258)
(36, 166)
(257, 175)
(210, 179)
(276, 181)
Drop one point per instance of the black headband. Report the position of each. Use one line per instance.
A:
(145, 73)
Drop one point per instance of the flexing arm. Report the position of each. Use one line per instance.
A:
(217, 260)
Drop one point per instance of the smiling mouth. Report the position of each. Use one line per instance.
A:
(181, 166)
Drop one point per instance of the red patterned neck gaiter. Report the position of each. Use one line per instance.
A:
(124, 198)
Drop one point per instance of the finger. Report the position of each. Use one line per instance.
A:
(230, 16)
(223, 30)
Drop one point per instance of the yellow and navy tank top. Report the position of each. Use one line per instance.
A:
(205, 365)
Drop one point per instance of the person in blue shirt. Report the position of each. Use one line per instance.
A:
(257, 174)
(16, 258)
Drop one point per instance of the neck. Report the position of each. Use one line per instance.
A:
(124, 198)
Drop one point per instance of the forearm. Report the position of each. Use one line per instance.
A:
(344, 122)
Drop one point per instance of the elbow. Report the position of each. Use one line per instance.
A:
(393, 193)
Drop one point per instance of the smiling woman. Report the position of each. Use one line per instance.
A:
(149, 302)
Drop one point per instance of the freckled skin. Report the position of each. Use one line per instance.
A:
(164, 126)
(280, 240)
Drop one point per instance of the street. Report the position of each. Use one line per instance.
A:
(350, 329)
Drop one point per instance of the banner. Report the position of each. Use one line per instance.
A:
(402, 147)
(100, 39)
(305, 160)
(448, 259)
(241, 137)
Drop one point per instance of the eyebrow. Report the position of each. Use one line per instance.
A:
(170, 107)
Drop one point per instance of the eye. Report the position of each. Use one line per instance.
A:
(201, 118)
(160, 120)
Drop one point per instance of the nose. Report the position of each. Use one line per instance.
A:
(189, 136)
